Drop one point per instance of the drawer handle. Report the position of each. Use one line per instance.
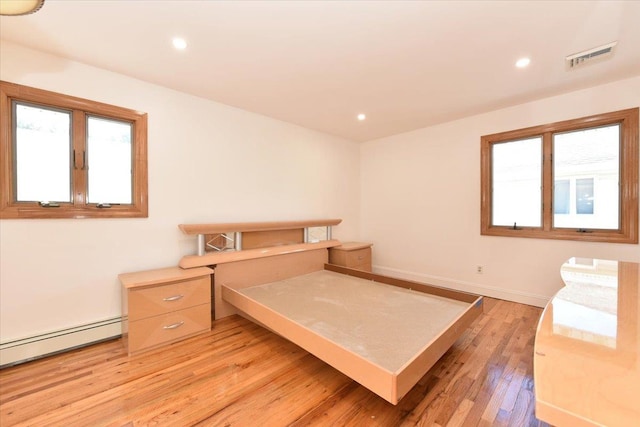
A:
(173, 298)
(174, 325)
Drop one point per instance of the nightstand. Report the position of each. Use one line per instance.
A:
(164, 306)
(355, 255)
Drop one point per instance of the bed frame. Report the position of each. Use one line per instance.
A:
(247, 268)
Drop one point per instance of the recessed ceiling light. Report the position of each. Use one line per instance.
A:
(361, 116)
(523, 62)
(179, 43)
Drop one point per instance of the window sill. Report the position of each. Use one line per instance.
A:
(37, 212)
(601, 236)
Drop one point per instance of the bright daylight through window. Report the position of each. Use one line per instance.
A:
(66, 157)
(574, 180)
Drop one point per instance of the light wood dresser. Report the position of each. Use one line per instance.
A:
(587, 350)
(165, 305)
(355, 255)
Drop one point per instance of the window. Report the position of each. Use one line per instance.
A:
(573, 180)
(66, 157)
(517, 182)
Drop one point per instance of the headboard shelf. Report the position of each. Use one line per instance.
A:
(227, 242)
(214, 258)
(255, 226)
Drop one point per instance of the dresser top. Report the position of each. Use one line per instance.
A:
(587, 349)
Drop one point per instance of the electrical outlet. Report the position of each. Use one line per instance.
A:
(479, 269)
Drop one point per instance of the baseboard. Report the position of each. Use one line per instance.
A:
(475, 288)
(26, 349)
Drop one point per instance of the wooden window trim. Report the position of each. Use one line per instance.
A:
(78, 208)
(628, 231)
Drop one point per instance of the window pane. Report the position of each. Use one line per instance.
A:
(561, 196)
(590, 160)
(517, 183)
(42, 154)
(584, 196)
(109, 160)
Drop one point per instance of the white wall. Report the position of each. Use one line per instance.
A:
(421, 203)
(208, 162)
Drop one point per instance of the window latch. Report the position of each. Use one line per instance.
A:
(583, 230)
(84, 160)
(103, 205)
(515, 227)
(49, 204)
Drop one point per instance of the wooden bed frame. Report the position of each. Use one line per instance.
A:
(234, 272)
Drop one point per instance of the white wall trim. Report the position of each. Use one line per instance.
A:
(25, 349)
(475, 288)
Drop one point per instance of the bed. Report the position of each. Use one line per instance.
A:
(382, 332)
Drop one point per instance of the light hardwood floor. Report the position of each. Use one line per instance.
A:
(240, 374)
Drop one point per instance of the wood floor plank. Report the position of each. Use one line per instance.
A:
(240, 374)
(152, 376)
(460, 414)
(308, 384)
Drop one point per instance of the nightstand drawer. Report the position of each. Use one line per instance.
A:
(157, 300)
(358, 257)
(151, 332)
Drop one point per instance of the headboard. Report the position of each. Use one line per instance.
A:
(248, 254)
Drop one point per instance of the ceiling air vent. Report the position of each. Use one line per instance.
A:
(581, 58)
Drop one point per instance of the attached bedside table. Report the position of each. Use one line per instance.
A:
(163, 306)
(352, 255)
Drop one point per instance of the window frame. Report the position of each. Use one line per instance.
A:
(80, 110)
(629, 164)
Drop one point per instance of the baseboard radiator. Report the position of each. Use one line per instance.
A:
(26, 349)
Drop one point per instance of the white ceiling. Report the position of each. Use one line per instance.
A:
(405, 64)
